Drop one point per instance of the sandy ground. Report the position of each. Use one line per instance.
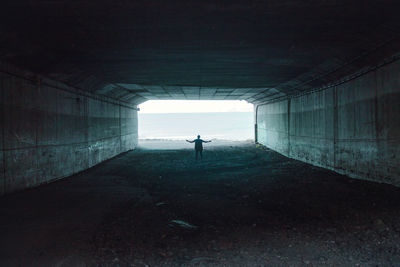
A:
(241, 205)
(162, 144)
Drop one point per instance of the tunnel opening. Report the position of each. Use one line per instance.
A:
(170, 123)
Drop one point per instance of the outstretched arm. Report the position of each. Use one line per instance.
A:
(207, 141)
(189, 141)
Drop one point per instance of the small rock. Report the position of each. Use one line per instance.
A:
(380, 225)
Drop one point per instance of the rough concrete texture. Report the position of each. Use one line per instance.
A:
(256, 50)
(352, 128)
(272, 126)
(311, 128)
(50, 132)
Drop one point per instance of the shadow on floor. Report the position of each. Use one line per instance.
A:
(239, 206)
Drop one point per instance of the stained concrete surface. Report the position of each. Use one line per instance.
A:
(187, 49)
(352, 128)
(251, 207)
(50, 131)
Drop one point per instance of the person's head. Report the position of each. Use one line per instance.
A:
(198, 137)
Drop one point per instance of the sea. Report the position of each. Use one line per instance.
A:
(234, 126)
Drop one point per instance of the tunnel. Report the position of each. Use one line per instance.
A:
(318, 186)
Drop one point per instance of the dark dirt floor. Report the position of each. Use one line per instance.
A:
(241, 205)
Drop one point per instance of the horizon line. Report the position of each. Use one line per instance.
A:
(196, 112)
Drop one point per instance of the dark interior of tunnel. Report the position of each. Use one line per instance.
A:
(318, 185)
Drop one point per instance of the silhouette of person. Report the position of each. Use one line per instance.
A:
(198, 146)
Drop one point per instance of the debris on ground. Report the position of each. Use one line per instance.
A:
(183, 224)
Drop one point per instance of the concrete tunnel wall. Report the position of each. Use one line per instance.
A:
(50, 131)
(352, 128)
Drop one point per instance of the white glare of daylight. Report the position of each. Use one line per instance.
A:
(195, 106)
(185, 119)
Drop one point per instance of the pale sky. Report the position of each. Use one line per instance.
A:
(195, 106)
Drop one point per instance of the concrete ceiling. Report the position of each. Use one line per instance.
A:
(203, 49)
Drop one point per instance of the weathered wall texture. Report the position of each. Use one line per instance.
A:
(272, 126)
(352, 128)
(50, 131)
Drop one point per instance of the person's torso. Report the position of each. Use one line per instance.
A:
(198, 144)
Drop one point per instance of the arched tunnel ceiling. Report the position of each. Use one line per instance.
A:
(208, 49)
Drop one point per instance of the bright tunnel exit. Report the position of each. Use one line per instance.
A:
(185, 119)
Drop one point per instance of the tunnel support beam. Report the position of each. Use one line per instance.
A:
(352, 127)
(50, 131)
